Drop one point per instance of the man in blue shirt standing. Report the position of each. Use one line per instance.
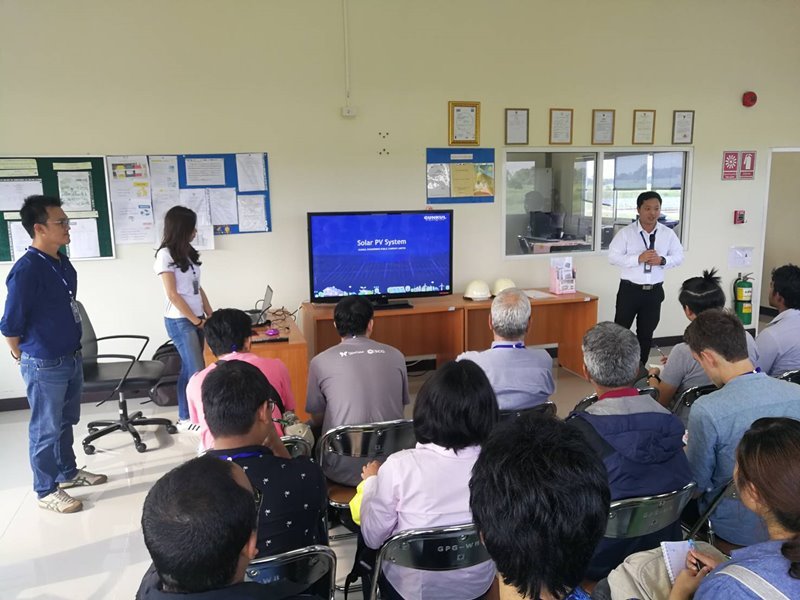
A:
(42, 326)
(718, 420)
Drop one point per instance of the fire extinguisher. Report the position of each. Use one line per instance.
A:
(743, 298)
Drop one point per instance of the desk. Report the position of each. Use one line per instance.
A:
(293, 353)
(447, 326)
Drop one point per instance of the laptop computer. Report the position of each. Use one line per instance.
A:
(258, 316)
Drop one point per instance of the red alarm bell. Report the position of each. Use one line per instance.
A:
(749, 99)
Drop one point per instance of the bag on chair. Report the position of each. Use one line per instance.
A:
(165, 392)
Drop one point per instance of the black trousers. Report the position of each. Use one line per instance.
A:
(634, 302)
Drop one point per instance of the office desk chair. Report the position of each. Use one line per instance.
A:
(431, 549)
(545, 408)
(123, 375)
(311, 569)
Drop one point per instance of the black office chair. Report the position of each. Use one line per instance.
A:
(311, 570)
(792, 376)
(545, 408)
(120, 375)
(688, 397)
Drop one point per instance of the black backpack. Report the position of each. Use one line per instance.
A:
(165, 392)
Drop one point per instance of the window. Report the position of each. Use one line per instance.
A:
(552, 202)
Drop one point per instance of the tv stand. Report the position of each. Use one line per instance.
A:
(391, 304)
(446, 326)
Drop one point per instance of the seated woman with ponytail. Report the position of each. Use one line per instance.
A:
(767, 477)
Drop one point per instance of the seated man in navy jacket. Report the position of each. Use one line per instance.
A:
(640, 441)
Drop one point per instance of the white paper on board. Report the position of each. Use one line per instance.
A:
(252, 213)
(20, 240)
(251, 172)
(223, 206)
(14, 191)
(84, 242)
(75, 190)
(205, 171)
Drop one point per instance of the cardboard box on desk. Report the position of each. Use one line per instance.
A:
(562, 275)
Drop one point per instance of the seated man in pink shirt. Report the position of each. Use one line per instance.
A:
(228, 332)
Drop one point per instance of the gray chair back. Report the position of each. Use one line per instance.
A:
(545, 408)
(293, 572)
(373, 440)
(88, 336)
(688, 396)
(729, 491)
(792, 376)
(433, 549)
(635, 517)
(296, 445)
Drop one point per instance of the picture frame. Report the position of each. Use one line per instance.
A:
(560, 126)
(644, 126)
(516, 127)
(682, 126)
(603, 126)
(464, 123)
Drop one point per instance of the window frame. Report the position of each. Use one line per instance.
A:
(597, 214)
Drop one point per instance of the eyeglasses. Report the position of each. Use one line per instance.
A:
(64, 223)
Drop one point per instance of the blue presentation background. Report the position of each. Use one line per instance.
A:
(338, 263)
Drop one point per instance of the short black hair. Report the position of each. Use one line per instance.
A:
(196, 520)
(456, 407)
(702, 293)
(34, 210)
(786, 282)
(352, 315)
(232, 393)
(720, 331)
(227, 329)
(540, 497)
(645, 196)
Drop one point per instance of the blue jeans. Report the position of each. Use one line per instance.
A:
(188, 341)
(54, 393)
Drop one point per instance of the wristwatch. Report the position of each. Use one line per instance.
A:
(663, 260)
(652, 376)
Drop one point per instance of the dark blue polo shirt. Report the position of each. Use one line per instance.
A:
(38, 305)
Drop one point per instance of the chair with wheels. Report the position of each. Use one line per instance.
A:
(120, 375)
(296, 445)
(310, 570)
(636, 517)
(688, 397)
(545, 408)
(791, 376)
(432, 549)
(372, 441)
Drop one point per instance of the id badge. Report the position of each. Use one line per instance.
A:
(76, 313)
(195, 286)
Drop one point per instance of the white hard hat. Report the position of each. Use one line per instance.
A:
(477, 289)
(502, 284)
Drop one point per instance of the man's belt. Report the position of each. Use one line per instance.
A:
(646, 287)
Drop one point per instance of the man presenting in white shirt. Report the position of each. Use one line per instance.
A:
(643, 250)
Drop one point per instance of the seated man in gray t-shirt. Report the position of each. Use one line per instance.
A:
(356, 382)
(521, 377)
(681, 370)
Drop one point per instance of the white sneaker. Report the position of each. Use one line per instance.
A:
(60, 502)
(187, 426)
(83, 478)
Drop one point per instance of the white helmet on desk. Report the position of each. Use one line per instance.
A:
(477, 289)
(502, 284)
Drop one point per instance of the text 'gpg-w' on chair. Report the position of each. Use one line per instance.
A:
(121, 375)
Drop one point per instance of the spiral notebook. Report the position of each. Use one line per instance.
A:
(675, 557)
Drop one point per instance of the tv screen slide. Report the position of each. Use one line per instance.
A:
(394, 254)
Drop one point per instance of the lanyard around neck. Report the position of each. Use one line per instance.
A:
(646, 245)
(41, 255)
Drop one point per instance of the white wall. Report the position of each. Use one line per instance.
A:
(783, 217)
(113, 77)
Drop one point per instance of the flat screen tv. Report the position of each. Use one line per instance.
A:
(383, 255)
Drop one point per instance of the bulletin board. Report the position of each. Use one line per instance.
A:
(228, 192)
(460, 175)
(80, 182)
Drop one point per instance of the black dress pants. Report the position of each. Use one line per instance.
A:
(644, 305)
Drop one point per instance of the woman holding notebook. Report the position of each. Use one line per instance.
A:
(178, 265)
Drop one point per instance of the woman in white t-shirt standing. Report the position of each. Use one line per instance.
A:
(178, 265)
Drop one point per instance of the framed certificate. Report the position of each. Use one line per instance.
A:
(560, 126)
(682, 126)
(644, 126)
(516, 127)
(464, 123)
(603, 126)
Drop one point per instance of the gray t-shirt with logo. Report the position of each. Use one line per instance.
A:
(356, 382)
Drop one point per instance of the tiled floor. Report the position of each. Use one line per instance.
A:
(99, 553)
